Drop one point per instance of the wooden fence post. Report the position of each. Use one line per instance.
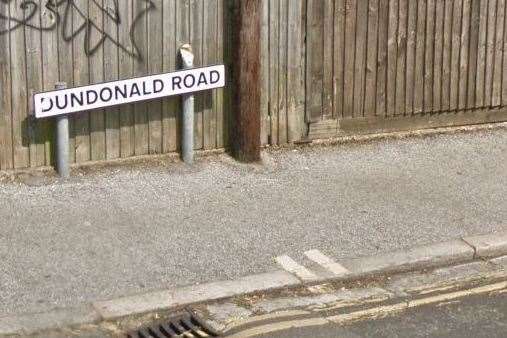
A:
(245, 30)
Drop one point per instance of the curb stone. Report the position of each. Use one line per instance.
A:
(422, 257)
(31, 323)
(490, 245)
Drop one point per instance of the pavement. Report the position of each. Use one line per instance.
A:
(482, 316)
(119, 231)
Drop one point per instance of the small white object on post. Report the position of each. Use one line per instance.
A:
(62, 140)
(187, 134)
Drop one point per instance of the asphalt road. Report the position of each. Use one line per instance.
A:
(483, 316)
(125, 231)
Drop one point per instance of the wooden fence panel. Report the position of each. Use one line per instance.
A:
(322, 61)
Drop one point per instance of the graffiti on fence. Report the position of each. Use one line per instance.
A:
(71, 19)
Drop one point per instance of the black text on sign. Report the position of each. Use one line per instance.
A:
(128, 91)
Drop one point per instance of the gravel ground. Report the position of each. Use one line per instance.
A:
(122, 231)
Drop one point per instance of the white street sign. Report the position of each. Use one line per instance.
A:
(128, 91)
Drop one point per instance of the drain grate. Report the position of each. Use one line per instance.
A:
(185, 325)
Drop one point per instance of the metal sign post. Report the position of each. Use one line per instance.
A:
(62, 140)
(187, 133)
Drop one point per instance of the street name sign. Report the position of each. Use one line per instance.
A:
(115, 93)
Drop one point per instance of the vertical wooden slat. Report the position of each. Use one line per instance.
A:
(295, 65)
(499, 67)
(401, 58)
(338, 57)
(196, 38)
(481, 55)
(429, 56)
(504, 71)
(6, 93)
(327, 56)
(464, 54)
(282, 72)
(141, 129)
(455, 53)
(490, 52)
(392, 56)
(96, 64)
(125, 65)
(420, 57)
(446, 66)
(265, 127)
(411, 49)
(111, 73)
(371, 63)
(20, 137)
(315, 50)
(273, 68)
(350, 52)
(34, 85)
(170, 106)
(81, 78)
(155, 63)
(438, 54)
(221, 94)
(473, 52)
(361, 52)
(210, 45)
(383, 14)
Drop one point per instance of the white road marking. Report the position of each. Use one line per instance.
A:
(293, 267)
(329, 264)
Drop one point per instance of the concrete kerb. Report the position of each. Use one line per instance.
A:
(413, 259)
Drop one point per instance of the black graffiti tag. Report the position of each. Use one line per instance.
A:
(65, 13)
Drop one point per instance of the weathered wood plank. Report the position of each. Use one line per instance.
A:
(473, 52)
(383, 14)
(464, 54)
(499, 66)
(504, 71)
(314, 52)
(438, 55)
(481, 55)
(170, 106)
(210, 58)
(455, 53)
(282, 72)
(111, 73)
(295, 64)
(155, 66)
(125, 70)
(429, 56)
(350, 54)
(141, 128)
(371, 62)
(446, 66)
(490, 53)
(419, 58)
(361, 52)
(265, 125)
(6, 155)
(339, 57)
(401, 58)
(274, 37)
(196, 40)
(327, 58)
(410, 62)
(392, 59)
(221, 94)
(34, 84)
(20, 138)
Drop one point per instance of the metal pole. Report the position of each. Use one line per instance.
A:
(62, 140)
(187, 135)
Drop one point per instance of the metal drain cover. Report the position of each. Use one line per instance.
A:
(186, 325)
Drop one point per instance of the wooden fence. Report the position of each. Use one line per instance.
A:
(329, 67)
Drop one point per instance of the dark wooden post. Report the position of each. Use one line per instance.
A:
(245, 30)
